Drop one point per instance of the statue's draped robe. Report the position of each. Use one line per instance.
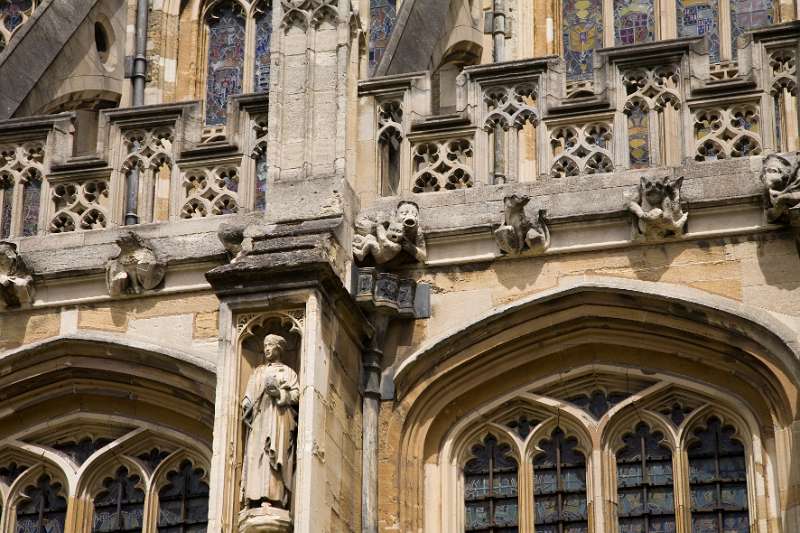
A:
(269, 448)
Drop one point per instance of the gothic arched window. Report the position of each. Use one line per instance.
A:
(490, 488)
(717, 480)
(698, 18)
(559, 485)
(645, 483)
(119, 507)
(43, 507)
(183, 501)
(382, 16)
(226, 44)
(634, 21)
(583, 33)
(263, 38)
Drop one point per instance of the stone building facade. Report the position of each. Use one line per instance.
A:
(399, 266)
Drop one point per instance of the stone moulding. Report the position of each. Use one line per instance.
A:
(135, 269)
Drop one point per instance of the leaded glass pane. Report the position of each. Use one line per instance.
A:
(119, 507)
(6, 205)
(80, 450)
(183, 502)
(383, 16)
(261, 181)
(718, 480)
(153, 457)
(634, 21)
(261, 71)
(10, 472)
(43, 509)
(226, 34)
(582, 34)
(639, 136)
(559, 472)
(700, 18)
(522, 426)
(31, 201)
(598, 402)
(749, 15)
(646, 501)
(490, 488)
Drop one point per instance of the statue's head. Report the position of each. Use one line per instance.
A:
(274, 346)
(395, 231)
(776, 172)
(408, 215)
(516, 201)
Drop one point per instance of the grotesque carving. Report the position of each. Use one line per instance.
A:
(392, 240)
(135, 269)
(782, 181)
(518, 232)
(16, 282)
(269, 412)
(658, 209)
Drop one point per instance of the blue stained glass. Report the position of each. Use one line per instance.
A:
(634, 21)
(31, 202)
(6, 208)
(382, 17)
(749, 15)
(261, 70)
(12, 12)
(639, 136)
(698, 18)
(226, 34)
(261, 181)
(582, 34)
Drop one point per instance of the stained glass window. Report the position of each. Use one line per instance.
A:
(119, 507)
(382, 16)
(42, 508)
(6, 205)
(676, 413)
(31, 201)
(261, 181)
(262, 52)
(523, 425)
(718, 480)
(634, 21)
(639, 136)
(183, 502)
(748, 15)
(153, 457)
(645, 483)
(11, 11)
(698, 18)
(559, 486)
(490, 489)
(598, 402)
(226, 38)
(80, 450)
(582, 34)
(10, 472)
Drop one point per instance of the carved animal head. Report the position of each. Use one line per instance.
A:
(656, 190)
(129, 242)
(408, 215)
(515, 202)
(8, 257)
(365, 225)
(777, 172)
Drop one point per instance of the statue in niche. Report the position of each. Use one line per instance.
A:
(16, 282)
(390, 241)
(658, 210)
(269, 413)
(519, 233)
(782, 181)
(135, 269)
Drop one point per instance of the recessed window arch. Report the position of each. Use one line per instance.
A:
(491, 488)
(42, 505)
(183, 499)
(119, 506)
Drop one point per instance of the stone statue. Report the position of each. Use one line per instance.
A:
(269, 412)
(391, 240)
(782, 181)
(135, 269)
(658, 210)
(16, 282)
(518, 233)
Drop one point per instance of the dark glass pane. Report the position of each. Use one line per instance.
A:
(560, 485)
(698, 18)
(261, 181)
(382, 18)
(119, 507)
(10, 472)
(153, 457)
(634, 21)
(183, 501)
(262, 53)
(80, 450)
(676, 413)
(42, 509)
(749, 15)
(31, 202)
(7, 205)
(490, 488)
(522, 426)
(582, 34)
(599, 402)
(226, 33)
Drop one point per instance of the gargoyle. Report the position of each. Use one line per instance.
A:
(135, 269)
(782, 182)
(519, 233)
(658, 211)
(16, 282)
(391, 240)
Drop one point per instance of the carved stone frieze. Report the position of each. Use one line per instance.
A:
(16, 281)
(386, 292)
(518, 233)
(781, 179)
(135, 269)
(658, 209)
(396, 239)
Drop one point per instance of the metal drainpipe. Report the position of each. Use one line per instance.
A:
(140, 58)
(499, 53)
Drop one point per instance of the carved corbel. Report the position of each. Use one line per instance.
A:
(16, 280)
(394, 240)
(781, 179)
(135, 269)
(518, 233)
(657, 210)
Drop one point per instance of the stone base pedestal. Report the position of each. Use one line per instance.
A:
(265, 520)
